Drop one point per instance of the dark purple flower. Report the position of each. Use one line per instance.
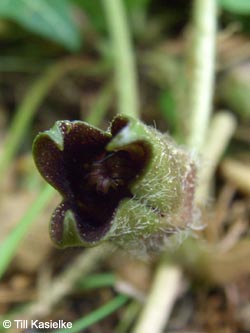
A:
(73, 158)
(131, 184)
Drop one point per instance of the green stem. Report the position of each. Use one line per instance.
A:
(96, 315)
(10, 244)
(199, 100)
(30, 104)
(125, 68)
(201, 71)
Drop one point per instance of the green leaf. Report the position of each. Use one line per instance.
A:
(50, 18)
(236, 6)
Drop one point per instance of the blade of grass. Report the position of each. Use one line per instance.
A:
(124, 63)
(10, 244)
(97, 281)
(96, 315)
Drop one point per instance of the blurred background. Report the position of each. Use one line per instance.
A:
(57, 62)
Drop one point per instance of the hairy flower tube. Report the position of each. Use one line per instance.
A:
(130, 184)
